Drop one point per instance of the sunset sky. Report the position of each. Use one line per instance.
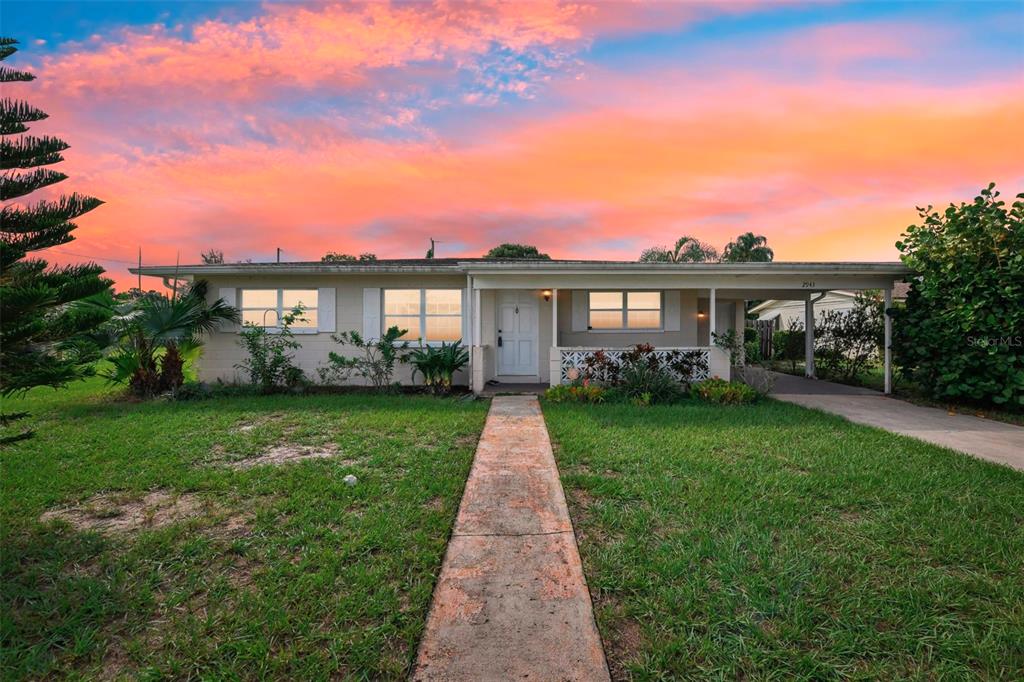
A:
(591, 131)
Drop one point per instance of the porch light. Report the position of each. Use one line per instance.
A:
(700, 314)
(546, 294)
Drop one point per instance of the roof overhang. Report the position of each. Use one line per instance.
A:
(743, 280)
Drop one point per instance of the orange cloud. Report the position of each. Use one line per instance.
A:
(822, 177)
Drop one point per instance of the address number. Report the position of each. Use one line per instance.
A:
(808, 285)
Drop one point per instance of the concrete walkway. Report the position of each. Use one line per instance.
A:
(984, 438)
(511, 601)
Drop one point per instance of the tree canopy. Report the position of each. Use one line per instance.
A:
(686, 250)
(960, 334)
(516, 251)
(46, 313)
(335, 257)
(748, 248)
(212, 257)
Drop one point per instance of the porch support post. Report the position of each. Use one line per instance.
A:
(478, 329)
(554, 318)
(809, 337)
(887, 303)
(477, 355)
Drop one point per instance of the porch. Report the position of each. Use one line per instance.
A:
(539, 323)
(528, 337)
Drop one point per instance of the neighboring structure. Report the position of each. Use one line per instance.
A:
(525, 321)
(783, 312)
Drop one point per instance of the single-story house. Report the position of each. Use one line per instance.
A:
(525, 321)
(786, 311)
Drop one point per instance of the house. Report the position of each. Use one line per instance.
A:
(525, 321)
(785, 311)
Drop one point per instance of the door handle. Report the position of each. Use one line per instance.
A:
(499, 342)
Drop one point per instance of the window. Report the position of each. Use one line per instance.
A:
(625, 310)
(266, 307)
(430, 315)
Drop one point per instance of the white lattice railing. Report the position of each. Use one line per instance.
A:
(573, 361)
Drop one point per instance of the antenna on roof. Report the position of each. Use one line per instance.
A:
(279, 254)
(430, 253)
(140, 269)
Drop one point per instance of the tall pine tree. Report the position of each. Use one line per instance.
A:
(45, 318)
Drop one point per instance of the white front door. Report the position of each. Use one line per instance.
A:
(517, 333)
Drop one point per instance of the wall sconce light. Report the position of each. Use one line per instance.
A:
(546, 294)
(700, 314)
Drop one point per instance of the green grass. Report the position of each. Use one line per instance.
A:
(774, 542)
(286, 573)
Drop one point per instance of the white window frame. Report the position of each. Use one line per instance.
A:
(276, 329)
(625, 311)
(423, 315)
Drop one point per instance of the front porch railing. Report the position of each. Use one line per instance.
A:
(573, 361)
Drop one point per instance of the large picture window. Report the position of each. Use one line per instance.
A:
(633, 310)
(429, 315)
(266, 307)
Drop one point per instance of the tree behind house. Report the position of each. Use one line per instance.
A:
(516, 252)
(748, 248)
(45, 312)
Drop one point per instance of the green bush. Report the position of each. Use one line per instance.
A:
(961, 333)
(724, 392)
(645, 382)
(788, 343)
(438, 364)
(575, 393)
(271, 356)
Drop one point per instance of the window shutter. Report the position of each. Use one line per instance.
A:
(579, 310)
(671, 298)
(326, 310)
(230, 296)
(371, 314)
(467, 329)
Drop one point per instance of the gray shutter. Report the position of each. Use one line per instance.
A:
(371, 314)
(467, 329)
(326, 309)
(579, 310)
(671, 298)
(230, 296)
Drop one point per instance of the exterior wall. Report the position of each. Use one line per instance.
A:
(222, 350)
(794, 310)
(693, 330)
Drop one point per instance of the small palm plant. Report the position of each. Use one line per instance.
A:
(438, 364)
(158, 335)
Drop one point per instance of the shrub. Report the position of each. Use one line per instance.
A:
(961, 332)
(438, 364)
(271, 362)
(846, 342)
(724, 392)
(788, 343)
(575, 393)
(643, 377)
(377, 365)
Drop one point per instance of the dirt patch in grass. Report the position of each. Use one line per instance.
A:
(286, 454)
(434, 504)
(123, 513)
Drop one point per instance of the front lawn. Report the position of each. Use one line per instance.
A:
(774, 542)
(218, 539)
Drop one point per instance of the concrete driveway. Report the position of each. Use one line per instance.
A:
(983, 438)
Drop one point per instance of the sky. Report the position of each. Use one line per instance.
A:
(592, 130)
